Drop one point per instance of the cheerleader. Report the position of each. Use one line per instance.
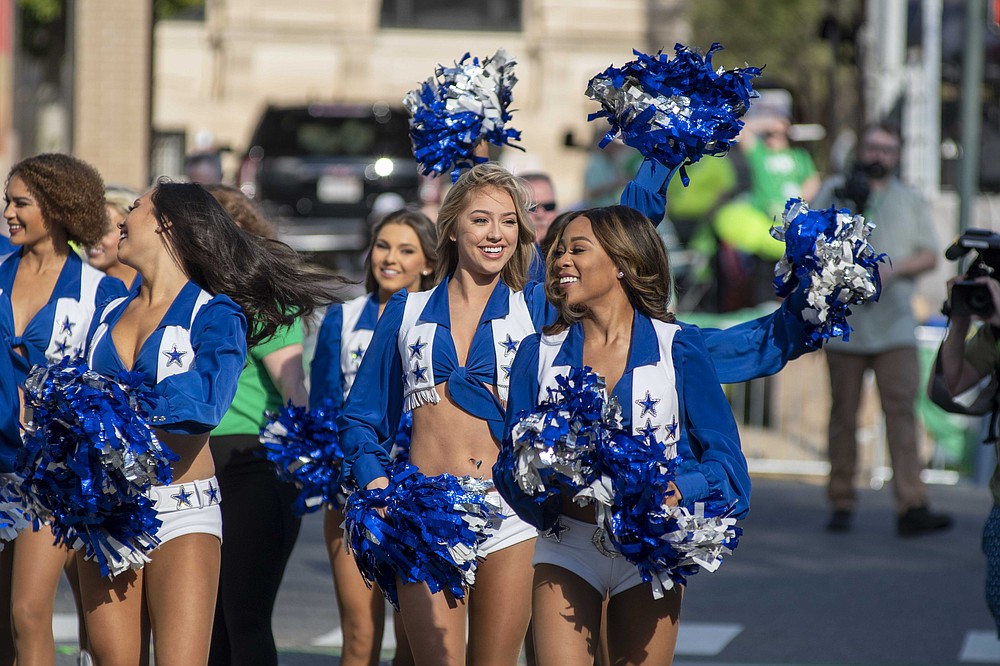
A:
(103, 255)
(48, 296)
(444, 354)
(259, 528)
(206, 291)
(606, 276)
(402, 255)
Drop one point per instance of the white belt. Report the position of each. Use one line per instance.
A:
(195, 494)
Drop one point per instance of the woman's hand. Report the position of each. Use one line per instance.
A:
(378, 484)
(673, 496)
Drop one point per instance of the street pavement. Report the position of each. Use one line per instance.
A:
(791, 593)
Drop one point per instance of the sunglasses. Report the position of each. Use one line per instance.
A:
(548, 207)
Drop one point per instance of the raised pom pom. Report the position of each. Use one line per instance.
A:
(88, 459)
(553, 446)
(828, 252)
(304, 445)
(429, 533)
(675, 110)
(452, 111)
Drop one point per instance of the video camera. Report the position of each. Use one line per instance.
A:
(969, 297)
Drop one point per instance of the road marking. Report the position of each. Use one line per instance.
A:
(981, 647)
(64, 627)
(701, 639)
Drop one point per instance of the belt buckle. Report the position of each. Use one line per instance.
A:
(600, 545)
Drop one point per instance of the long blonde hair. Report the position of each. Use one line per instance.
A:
(630, 240)
(482, 176)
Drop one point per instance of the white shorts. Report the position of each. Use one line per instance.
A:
(508, 532)
(188, 508)
(587, 551)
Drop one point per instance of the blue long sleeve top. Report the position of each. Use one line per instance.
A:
(373, 407)
(58, 329)
(344, 337)
(190, 364)
(713, 466)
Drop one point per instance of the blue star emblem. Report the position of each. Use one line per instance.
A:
(417, 350)
(356, 354)
(61, 347)
(212, 494)
(174, 357)
(419, 373)
(648, 430)
(506, 371)
(648, 405)
(67, 326)
(672, 429)
(509, 345)
(183, 497)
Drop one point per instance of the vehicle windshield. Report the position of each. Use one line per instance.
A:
(299, 133)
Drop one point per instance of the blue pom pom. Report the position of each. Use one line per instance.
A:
(13, 506)
(551, 448)
(675, 110)
(430, 532)
(89, 457)
(304, 445)
(457, 108)
(828, 255)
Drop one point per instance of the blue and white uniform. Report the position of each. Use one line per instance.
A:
(669, 390)
(58, 329)
(344, 337)
(190, 366)
(412, 352)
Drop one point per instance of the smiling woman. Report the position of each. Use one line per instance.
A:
(47, 300)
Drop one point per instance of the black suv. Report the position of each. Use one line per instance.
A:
(318, 169)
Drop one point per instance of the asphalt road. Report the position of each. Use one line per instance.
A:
(791, 594)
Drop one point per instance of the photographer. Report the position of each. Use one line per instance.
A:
(883, 338)
(963, 364)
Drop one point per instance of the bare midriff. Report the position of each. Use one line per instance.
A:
(195, 457)
(448, 440)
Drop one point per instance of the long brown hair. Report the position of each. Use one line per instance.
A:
(630, 240)
(425, 231)
(482, 176)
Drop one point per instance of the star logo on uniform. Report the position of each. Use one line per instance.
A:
(356, 354)
(174, 357)
(648, 405)
(649, 429)
(61, 347)
(183, 497)
(419, 373)
(672, 429)
(67, 326)
(212, 494)
(509, 345)
(506, 371)
(417, 350)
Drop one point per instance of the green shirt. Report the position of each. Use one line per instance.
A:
(255, 391)
(776, 176)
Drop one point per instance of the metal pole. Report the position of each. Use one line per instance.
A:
(972, 110)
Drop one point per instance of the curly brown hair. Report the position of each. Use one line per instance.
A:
(70, 194)
(630, 240)
(243, 210)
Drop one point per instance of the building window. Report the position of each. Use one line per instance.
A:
(452, 15)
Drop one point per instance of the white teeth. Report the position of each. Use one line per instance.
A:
(493, 250)
(390, 272)
(567, 279)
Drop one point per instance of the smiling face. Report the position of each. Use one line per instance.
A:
(139, 233)
(25, 222)
(398, 260)
(104, 254)
(486, 232)
(587, 275)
